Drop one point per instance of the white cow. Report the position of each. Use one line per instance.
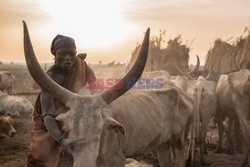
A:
(114, 126)
(15, 105)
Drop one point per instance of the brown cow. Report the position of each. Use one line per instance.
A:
(6, 126)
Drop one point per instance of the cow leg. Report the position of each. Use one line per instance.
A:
(203, 132)
(178, 149)
(238, 136)
(220, 130)
(164, 155)
(179, 157)
(244, 126)
(228, 131)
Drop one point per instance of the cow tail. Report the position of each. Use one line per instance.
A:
(199, 93)
(195, 126)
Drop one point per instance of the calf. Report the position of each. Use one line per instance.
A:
(6, 126)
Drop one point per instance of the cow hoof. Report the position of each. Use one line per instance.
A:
(2, 137)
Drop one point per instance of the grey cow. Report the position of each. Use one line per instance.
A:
(113, 126)
(203, 93)
(233, 93)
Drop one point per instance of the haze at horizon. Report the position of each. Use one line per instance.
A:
(109, 30)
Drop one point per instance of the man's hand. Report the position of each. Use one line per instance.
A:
(73, 145)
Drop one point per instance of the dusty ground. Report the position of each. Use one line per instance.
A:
(13, 151)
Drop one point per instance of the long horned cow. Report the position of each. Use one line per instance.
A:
(190, 74)
(115, 126)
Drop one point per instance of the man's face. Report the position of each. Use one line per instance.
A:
(66, 57)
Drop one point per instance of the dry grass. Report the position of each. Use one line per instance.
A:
(244, 50)
(162, 57)
(220, 58)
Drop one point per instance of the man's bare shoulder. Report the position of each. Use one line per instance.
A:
(55, 73)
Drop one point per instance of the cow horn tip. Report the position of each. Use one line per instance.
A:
(24, 23)
(148, 31)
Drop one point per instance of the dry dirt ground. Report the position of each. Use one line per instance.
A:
(13, 151)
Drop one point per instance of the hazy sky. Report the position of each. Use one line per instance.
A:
(109, 30)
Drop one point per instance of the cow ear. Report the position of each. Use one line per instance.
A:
(10, 119)
(111, 124)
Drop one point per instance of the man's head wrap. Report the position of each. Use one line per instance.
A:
(61, 41)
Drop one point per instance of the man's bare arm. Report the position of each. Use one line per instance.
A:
(47, 106)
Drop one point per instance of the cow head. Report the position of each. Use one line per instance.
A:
(6, 126)
(190, 74)
(240, 83)
(87, 116)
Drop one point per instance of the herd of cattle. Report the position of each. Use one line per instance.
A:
(171, 121)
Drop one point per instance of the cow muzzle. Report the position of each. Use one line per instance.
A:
(12, 133)
(75, 146)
